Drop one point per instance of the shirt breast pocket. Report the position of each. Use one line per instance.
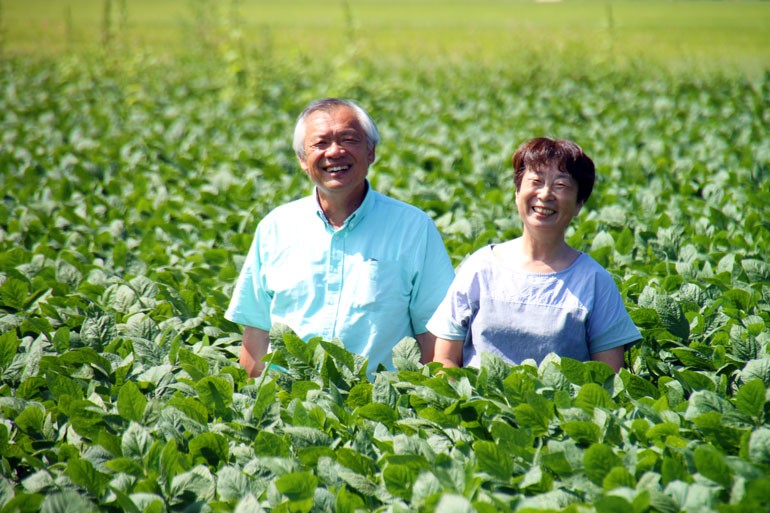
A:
(379, 284)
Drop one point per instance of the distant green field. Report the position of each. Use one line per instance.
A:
(717, 35)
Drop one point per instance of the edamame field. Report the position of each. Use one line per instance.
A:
(141, 143)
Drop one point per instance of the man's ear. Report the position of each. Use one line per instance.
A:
(371, 156)
(302, 163)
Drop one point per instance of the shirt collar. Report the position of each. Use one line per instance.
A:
(353, 219)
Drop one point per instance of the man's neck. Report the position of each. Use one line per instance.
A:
(338, 207)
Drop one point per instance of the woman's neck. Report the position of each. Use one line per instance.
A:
(536, 256)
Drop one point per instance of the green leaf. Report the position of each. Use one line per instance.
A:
(399, 480)
(60, 385)
(599, 460)
(136, 441)
(638, 387)
(711, 463)
(593, 396)
(758, 271)
(67, 501)
(377, 412)
(348, 502)
(751, 398)
(269, 444)
(406, 355)
(618, 477)
(9, 345)
(197, 484)
(131, 402)
(672, 316)
(582, 431)
(493, 460)
(212, 448)
(612, 504)
(693, 359)
(759, 446)
(83, 474)
(192, 407)
(14, 293)
(216, 394)
(297, 486)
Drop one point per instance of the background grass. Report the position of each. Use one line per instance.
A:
(728, 36)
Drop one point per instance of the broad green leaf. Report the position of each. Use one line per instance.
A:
(136, 441)
(593, 396)
(750, 398)
(354, 461)
(671, 316)
(599, 460)
(131, 402)
(706, 402)
(406, 354)
(9, 345)
(758, 271)
(67, 501)
(60, 385)
(492, 460)
(612, 504)
(192, 407)
(451, 503)
(297, 486)
(399, 480)
(377, 412)
(14, 293)
(83, 473)
(529, 417)
(711, 463)
(756, 369)
(638, 387)
(197, 484)
(759, 446)
(269, 444)
(618, 477)
(692, 359)
(340, 354)
(348, 502)
(212, 448)
(582, 431)
(216, 394)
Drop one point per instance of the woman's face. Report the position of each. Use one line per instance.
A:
(547, 200)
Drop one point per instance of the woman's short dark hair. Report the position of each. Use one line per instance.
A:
(542, 152)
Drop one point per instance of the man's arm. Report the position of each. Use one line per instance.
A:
(612, 357)
(254, 347)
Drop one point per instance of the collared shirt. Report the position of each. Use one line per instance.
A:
(516, 315)
(371, 283)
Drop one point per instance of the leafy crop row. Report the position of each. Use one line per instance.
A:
(130, 192)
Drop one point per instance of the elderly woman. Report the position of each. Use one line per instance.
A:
(535, 295)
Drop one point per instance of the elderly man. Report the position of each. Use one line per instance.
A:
(345, 262)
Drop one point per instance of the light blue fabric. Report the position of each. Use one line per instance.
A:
(371, 283)
(498, 309)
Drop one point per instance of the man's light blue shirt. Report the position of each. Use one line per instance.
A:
(370, 283)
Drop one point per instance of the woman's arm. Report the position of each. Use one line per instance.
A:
(448, 352)
(612, 357)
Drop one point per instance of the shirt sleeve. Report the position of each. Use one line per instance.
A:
(452, 318)
(432, 277)
(610, 325)
(250, 302)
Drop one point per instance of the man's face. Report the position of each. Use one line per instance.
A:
(336, 154)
